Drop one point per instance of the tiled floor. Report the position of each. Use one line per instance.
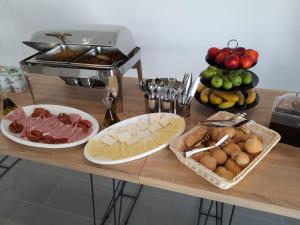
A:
(37, 194)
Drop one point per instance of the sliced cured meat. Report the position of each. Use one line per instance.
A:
(74, 117)
(15, 127)
(40, 112)
(63, 132)
(16, 115)
(48, 128)
(34, 135)
(64, 118)
(46, 123)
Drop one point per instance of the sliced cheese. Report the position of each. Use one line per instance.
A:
(154, 117)
(132, 140)
(106, 139)
(124, 136)
(154, 127)
(164, 121)
(143, 124)
(132, 129)
(143, 134)
(113, 133)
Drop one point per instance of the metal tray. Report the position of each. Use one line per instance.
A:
(63, 53)
(100, 57)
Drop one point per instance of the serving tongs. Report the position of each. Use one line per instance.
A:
(220, 143)
(236, 120)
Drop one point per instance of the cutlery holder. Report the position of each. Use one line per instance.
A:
(183, 110)
(151, 105)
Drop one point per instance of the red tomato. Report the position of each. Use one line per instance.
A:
(34, 135)
(64, 118)
(48, 139)
(15, 127)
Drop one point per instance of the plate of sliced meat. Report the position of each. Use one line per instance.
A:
(49, 126)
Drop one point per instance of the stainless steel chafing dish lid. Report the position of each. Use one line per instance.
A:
(118, 37)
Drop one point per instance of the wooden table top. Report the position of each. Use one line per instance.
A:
(273, 186)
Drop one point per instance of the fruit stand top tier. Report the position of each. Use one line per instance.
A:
(232, 57)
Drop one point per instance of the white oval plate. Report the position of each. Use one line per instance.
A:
(105, 161)
(54, 109)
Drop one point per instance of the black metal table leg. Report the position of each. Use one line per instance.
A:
(231, 215)
(134, 201)
(219, 214)
(199, 211)
(114, 203)
(7, 168)
(93, 198)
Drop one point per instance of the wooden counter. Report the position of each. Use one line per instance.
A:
(273, 186)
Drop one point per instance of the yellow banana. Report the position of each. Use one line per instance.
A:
(241, 97)
(214, 99)
(228, 96)
(200, 88)
(226, 105)
(204, 95)
(251, 97)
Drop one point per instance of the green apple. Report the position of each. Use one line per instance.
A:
(212, 68)
(227, 84)
(247, 78)
(236, 80)
(207, 74)
(217, 81)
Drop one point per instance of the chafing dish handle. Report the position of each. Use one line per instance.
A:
(60, 35)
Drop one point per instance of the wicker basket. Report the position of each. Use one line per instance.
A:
(269, 137)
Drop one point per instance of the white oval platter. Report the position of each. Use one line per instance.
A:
(105, 161)
(54, 109)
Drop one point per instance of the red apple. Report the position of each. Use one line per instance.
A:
(246, 61)
(239, 54)
(219, 59)
(253, 54)
(232, 62)
(212, 52)
(228, 50)
(240, 49)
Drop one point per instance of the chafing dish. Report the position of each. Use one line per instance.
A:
(84, 56)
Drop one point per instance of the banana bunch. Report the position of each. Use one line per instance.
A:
(225, 100)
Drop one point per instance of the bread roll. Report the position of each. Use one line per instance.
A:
(223, 172)
(199, 155)
(219, 155)
(229, 130)
(241, 145)
(231, 147)
(233, 167)
(242, 159)
(215, 133)
(249, 136)
(238, 137)
(196, 136)
(209, 162)
(253, 146)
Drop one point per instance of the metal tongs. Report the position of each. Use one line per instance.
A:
(235, 121)
(221, 142)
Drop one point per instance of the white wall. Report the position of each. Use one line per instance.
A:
(174, 35)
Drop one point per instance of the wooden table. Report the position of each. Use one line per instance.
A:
(273, 186)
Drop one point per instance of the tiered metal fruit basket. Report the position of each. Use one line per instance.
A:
(227, 86)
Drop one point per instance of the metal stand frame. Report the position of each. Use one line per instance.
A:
(218, 216)
(6, 168)
(117, 195)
